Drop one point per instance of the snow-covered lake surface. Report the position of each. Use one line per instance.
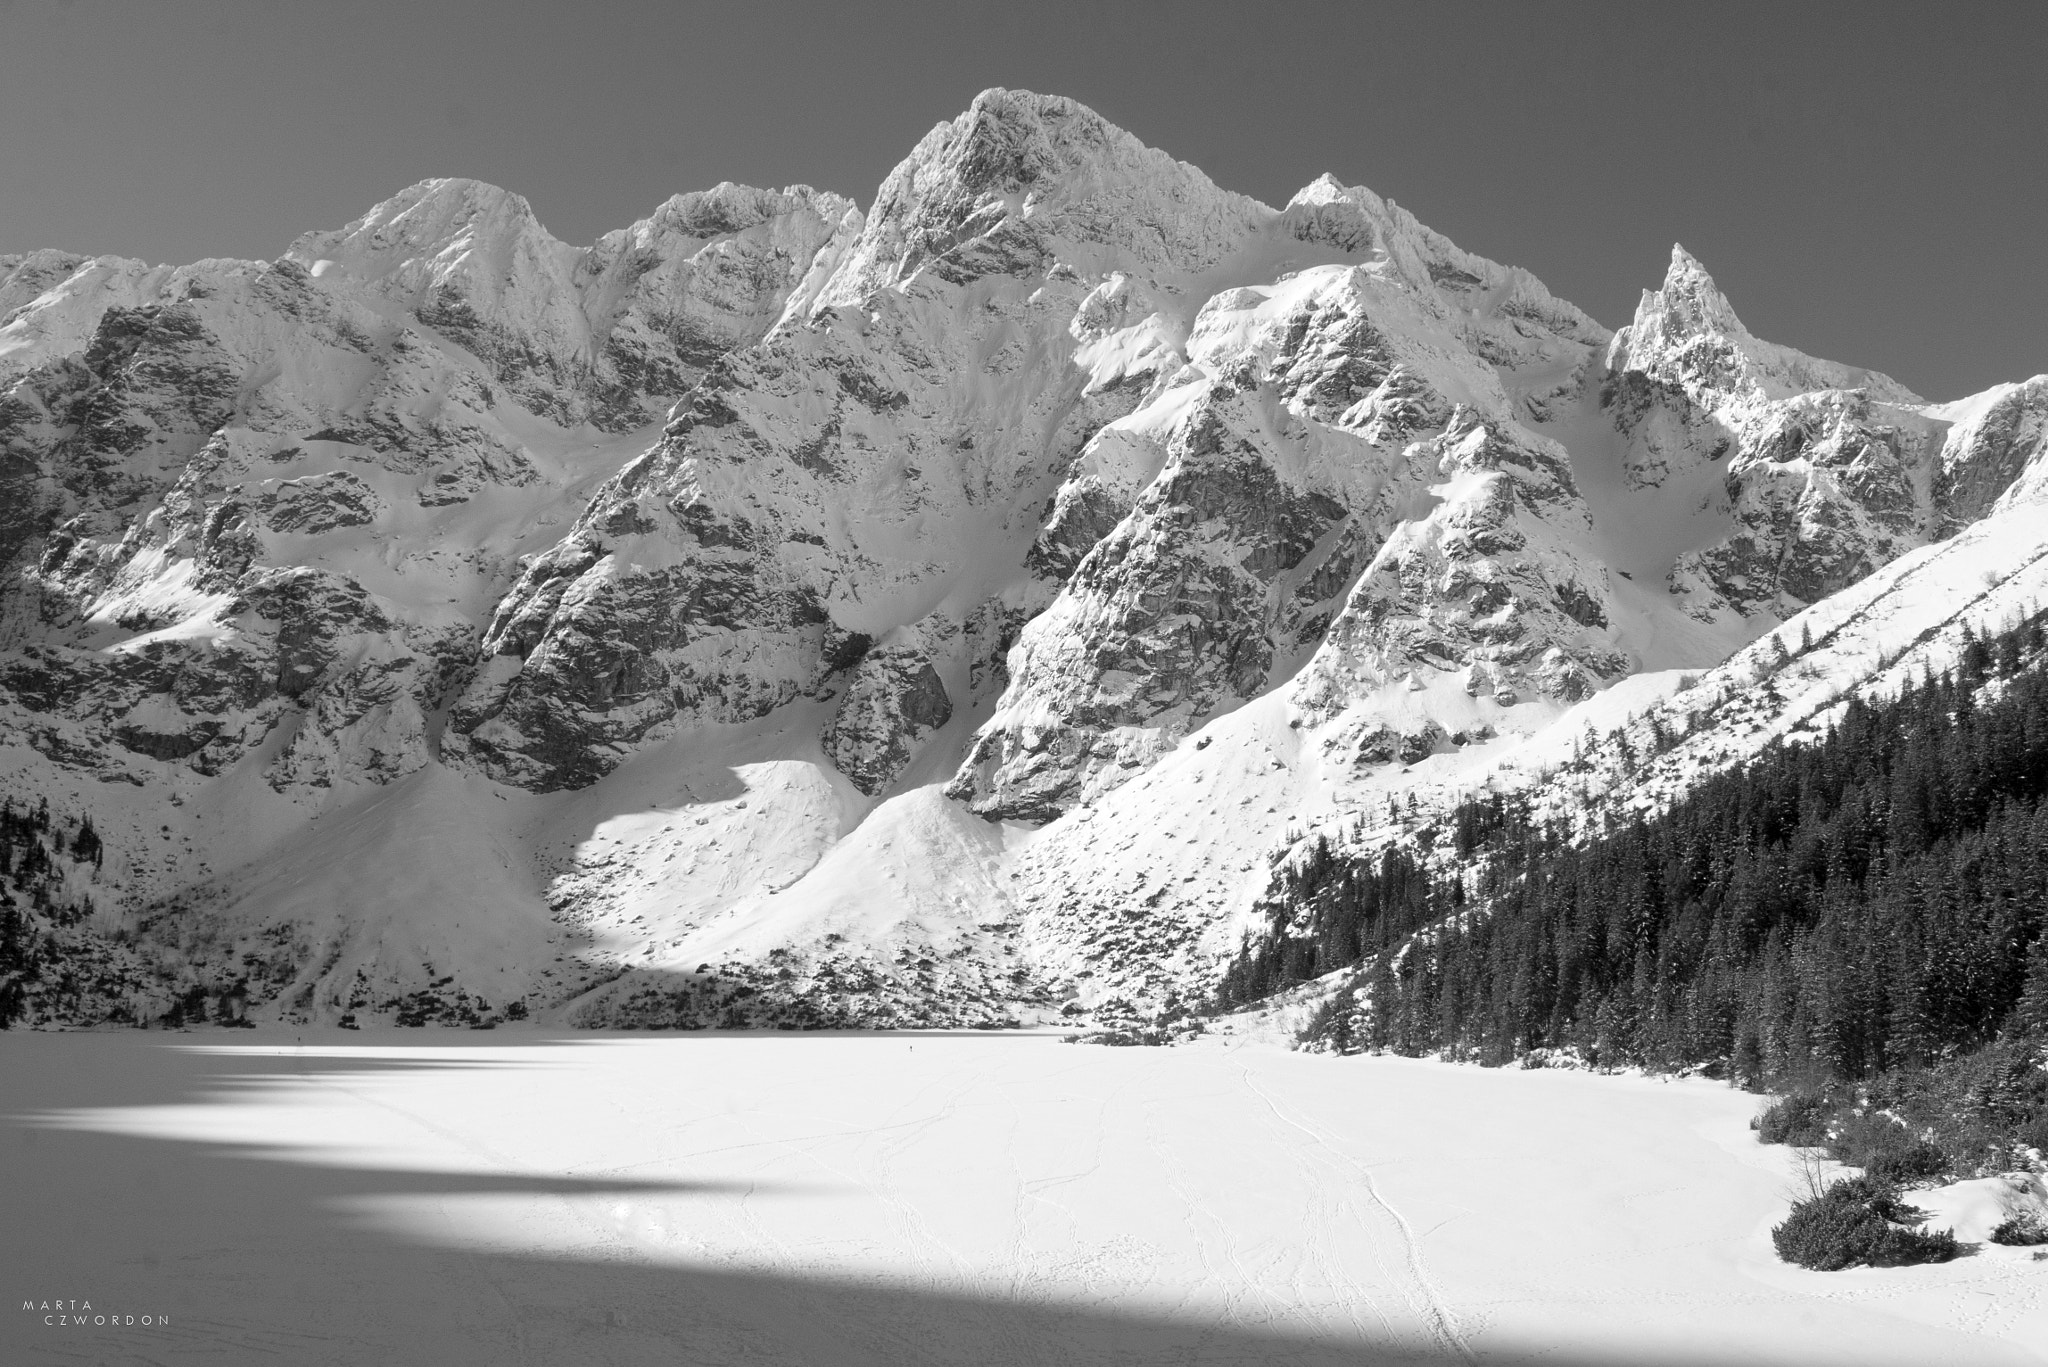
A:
(882, 1200)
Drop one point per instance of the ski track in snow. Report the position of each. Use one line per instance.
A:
(1423, 1293)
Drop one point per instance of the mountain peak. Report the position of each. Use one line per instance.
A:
(1686, 277)
(1314, 201)
(437, 206)
(1034, 169)
(1687, 332)
(1689, 303)
(450, 217)
(1684, 262)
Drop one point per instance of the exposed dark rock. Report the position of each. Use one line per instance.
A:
(893, 702)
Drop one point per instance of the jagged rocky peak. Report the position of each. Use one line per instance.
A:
(1019, 172)
(1688, 307)
(1686, 333)
(1828, 467)
(1348, 217)
(611, 333)
(855, 464)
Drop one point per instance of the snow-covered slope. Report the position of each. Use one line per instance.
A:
(779, 612)
(1903, 622)
(256, 516)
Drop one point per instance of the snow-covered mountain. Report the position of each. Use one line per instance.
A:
(777, 613)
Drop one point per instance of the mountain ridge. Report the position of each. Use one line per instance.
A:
(952, 611)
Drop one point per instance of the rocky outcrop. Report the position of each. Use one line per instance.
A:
(1493, 589)
(1825, 487)
(1171, 615)
(894, 701)
(1994, 452)
(314, 504)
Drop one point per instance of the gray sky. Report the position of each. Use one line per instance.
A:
(1867, 182)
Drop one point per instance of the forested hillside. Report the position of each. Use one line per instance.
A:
(1826, 912)
(54, 962)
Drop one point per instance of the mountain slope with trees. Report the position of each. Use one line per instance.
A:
(1823, 912)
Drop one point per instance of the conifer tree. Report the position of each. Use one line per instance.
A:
(2031, 1012)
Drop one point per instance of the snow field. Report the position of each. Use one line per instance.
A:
(845, 1200)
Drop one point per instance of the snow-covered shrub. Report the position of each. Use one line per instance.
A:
(1983, 1109)
(1801, 1120)
(1906, 1161)
(1975, 1114)
(1884, 1148)
(2023, 1230)
(1858, 1222)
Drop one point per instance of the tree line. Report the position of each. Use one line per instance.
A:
(1826, 911)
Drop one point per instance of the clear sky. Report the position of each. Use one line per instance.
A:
(1868, 182)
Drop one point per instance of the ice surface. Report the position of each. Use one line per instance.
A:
(917, 1198)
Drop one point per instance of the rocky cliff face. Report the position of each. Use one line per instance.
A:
(1990, 454)
(984, 590)
(195, 456)
(1826, 468)
(1308, 430)
(894, 701)
(879, 462)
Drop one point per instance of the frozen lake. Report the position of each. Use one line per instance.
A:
(883, 1200)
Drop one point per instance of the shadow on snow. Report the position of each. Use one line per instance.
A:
(256, 1257)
